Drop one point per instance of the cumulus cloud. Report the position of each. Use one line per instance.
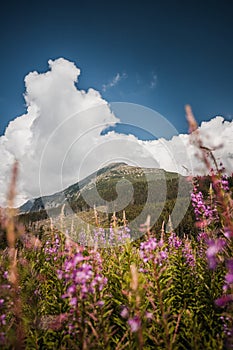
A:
(115, 80)
(59, 140)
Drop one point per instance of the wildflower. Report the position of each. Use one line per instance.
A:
(174, 241)
(81, 277)
(203, 212)
(188, 254)
(214, 247)
(124, 312)
(228, 233)
(134, 323)
(147, 248)
(73, 302)
(149, 315)
(229, 278)
(202, 236)
(224, 183)
(3, 319)
(223, 300)
(100, 303)
(150, 250)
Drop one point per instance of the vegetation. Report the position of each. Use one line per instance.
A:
(165, 291)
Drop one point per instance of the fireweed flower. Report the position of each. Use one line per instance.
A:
(202, 236)
(214, 247)
(151, 250)
(224, 183)
(134, 323)
(83, 276)
(203, 212)
(229, 278)
(52, 248)
(124, 312)
(2, 319)
(100, 303)
(101, 237)
(226, 321)
(224, 300)
(147, 248)
(84, 281)
(188, 254)
(228, 233)
(149, 315)
(174, 241)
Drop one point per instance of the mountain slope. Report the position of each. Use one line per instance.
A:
(83, 195)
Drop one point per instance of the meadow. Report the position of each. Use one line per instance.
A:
(162, 291)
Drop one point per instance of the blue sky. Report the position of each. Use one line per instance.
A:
(158, 54)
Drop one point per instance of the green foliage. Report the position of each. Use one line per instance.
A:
(174, 301)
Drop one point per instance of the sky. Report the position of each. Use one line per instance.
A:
(165, 53)
(157, 54)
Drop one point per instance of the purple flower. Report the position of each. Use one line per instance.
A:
(229, 278)
(174, 241)
(188, 254)
(134, 323)
(3, 319)
(71, 289)
(223, 300)
(228, 233)
(124, 312)
(224, 183)
(149, 315)
(215, 246)
(212, 262)
(202, 210)
(163, 255)
(160, 256)
(73, 301)
(82, 276)
(147, 249)
(100, 303)
(202, 236)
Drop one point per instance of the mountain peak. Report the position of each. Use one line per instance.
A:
(105, 179)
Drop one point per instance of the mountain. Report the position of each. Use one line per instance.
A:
(59, 198)
(105, 180)
(114, 188)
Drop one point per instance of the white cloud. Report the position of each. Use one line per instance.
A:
(58, 141)
(181, 155)
(54, 116)
(115, 80)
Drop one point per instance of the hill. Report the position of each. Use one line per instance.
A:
(114, 188)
